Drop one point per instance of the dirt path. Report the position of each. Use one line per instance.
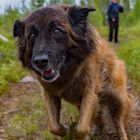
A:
(23, 116)
(15, 103)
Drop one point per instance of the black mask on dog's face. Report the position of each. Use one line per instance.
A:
(49, 49)
(53, 43)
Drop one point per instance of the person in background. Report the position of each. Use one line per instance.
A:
(114, 8)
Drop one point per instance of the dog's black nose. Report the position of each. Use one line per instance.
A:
(41, 61)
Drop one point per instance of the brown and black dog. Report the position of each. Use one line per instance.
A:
(73, 62)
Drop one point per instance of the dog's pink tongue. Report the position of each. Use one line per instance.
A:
(48, 72)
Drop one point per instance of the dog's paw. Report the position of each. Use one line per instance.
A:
(59, 130)
(80, 133)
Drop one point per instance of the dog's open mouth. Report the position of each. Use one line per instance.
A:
(50, 75)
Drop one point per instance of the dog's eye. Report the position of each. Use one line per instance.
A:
(57, 33)
(32, 35)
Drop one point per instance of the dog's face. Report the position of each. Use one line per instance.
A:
(53, 40)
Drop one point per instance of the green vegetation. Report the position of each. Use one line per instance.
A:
(10, 69)
(129, 51)
(26, 121)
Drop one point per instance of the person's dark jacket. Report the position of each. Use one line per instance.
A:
(113, 11)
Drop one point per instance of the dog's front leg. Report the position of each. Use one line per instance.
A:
(53, 105)
(88, 106)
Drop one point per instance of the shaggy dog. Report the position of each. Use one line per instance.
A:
(71, 61)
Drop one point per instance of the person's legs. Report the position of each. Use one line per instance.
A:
(116, 27)
(110, 31)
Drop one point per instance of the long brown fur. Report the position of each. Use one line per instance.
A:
(99, 74)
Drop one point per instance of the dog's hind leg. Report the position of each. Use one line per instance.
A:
(118, 108)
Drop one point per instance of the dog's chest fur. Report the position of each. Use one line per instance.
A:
(99, 78)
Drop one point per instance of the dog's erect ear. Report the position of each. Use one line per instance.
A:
(18, 29)
(78, 14)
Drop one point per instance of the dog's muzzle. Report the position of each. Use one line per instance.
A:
(48, 72)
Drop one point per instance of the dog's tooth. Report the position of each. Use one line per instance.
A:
(53, 71)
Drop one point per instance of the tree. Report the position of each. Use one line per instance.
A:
(126, 5)
(37, 3)
(69, 1)
(55, 1)
(136, 11)
(102, 7)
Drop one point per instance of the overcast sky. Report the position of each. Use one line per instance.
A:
(4, 4)
(13, 3)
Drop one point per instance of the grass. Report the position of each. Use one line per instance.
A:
(129, 51)
(10, 69)
(26, 121)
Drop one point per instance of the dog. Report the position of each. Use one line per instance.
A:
(71, 61)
